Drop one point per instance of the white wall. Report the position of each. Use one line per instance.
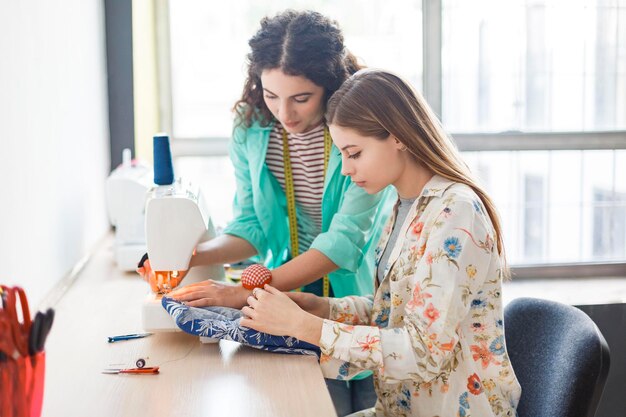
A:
(54, 151)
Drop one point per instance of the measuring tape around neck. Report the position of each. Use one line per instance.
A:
(291, 198)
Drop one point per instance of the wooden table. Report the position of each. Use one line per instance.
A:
(225, 379)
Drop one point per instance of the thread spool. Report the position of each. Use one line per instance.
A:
(163, 168)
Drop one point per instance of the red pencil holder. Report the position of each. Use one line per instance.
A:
(22, 384)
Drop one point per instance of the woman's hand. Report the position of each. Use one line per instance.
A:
(311, 303)
(211, 293)
(271, 311)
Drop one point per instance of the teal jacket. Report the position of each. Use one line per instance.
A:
(352, 220)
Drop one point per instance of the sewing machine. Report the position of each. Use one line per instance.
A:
(126, 189)
(177, 221)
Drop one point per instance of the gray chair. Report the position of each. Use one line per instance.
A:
(559, 357)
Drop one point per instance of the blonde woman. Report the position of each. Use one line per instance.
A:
(433, 333)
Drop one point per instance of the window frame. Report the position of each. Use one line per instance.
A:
(432, 91)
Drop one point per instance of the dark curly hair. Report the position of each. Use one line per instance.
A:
(304, 43)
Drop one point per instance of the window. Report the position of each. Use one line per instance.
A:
(536, 102)
(520, 65)
(609, 223)
(550, 93)
(557, 206)
(209, 47)
(534, 216)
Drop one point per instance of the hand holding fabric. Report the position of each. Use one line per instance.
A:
(271, 311)
(224, 323)
(311, 303)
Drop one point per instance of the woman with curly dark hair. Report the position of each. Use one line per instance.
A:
(305, 44)
(311, 226)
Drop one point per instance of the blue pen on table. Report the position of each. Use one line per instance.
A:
(128, 337)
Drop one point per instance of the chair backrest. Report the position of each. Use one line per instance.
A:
(559, 356)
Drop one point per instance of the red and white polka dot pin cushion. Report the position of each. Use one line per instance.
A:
(255, 276)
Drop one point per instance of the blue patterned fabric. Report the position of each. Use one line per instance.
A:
(223, 323)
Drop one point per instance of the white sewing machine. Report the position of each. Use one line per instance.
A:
(176, 222)
(126, 189)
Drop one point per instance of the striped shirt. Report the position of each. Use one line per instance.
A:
(306, 152)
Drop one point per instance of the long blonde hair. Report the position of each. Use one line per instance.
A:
(377, 103)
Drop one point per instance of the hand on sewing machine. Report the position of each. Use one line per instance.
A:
(157, 280)
(211, 293)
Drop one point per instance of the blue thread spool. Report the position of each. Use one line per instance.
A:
(163, 168)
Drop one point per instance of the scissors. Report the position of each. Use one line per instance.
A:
(20, 331)
(39, 330)
(151, 370)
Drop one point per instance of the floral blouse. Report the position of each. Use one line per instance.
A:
(433, 333)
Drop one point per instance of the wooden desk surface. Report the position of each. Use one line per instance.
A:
(225, 379)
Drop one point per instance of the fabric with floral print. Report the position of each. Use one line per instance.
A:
(433, 332)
